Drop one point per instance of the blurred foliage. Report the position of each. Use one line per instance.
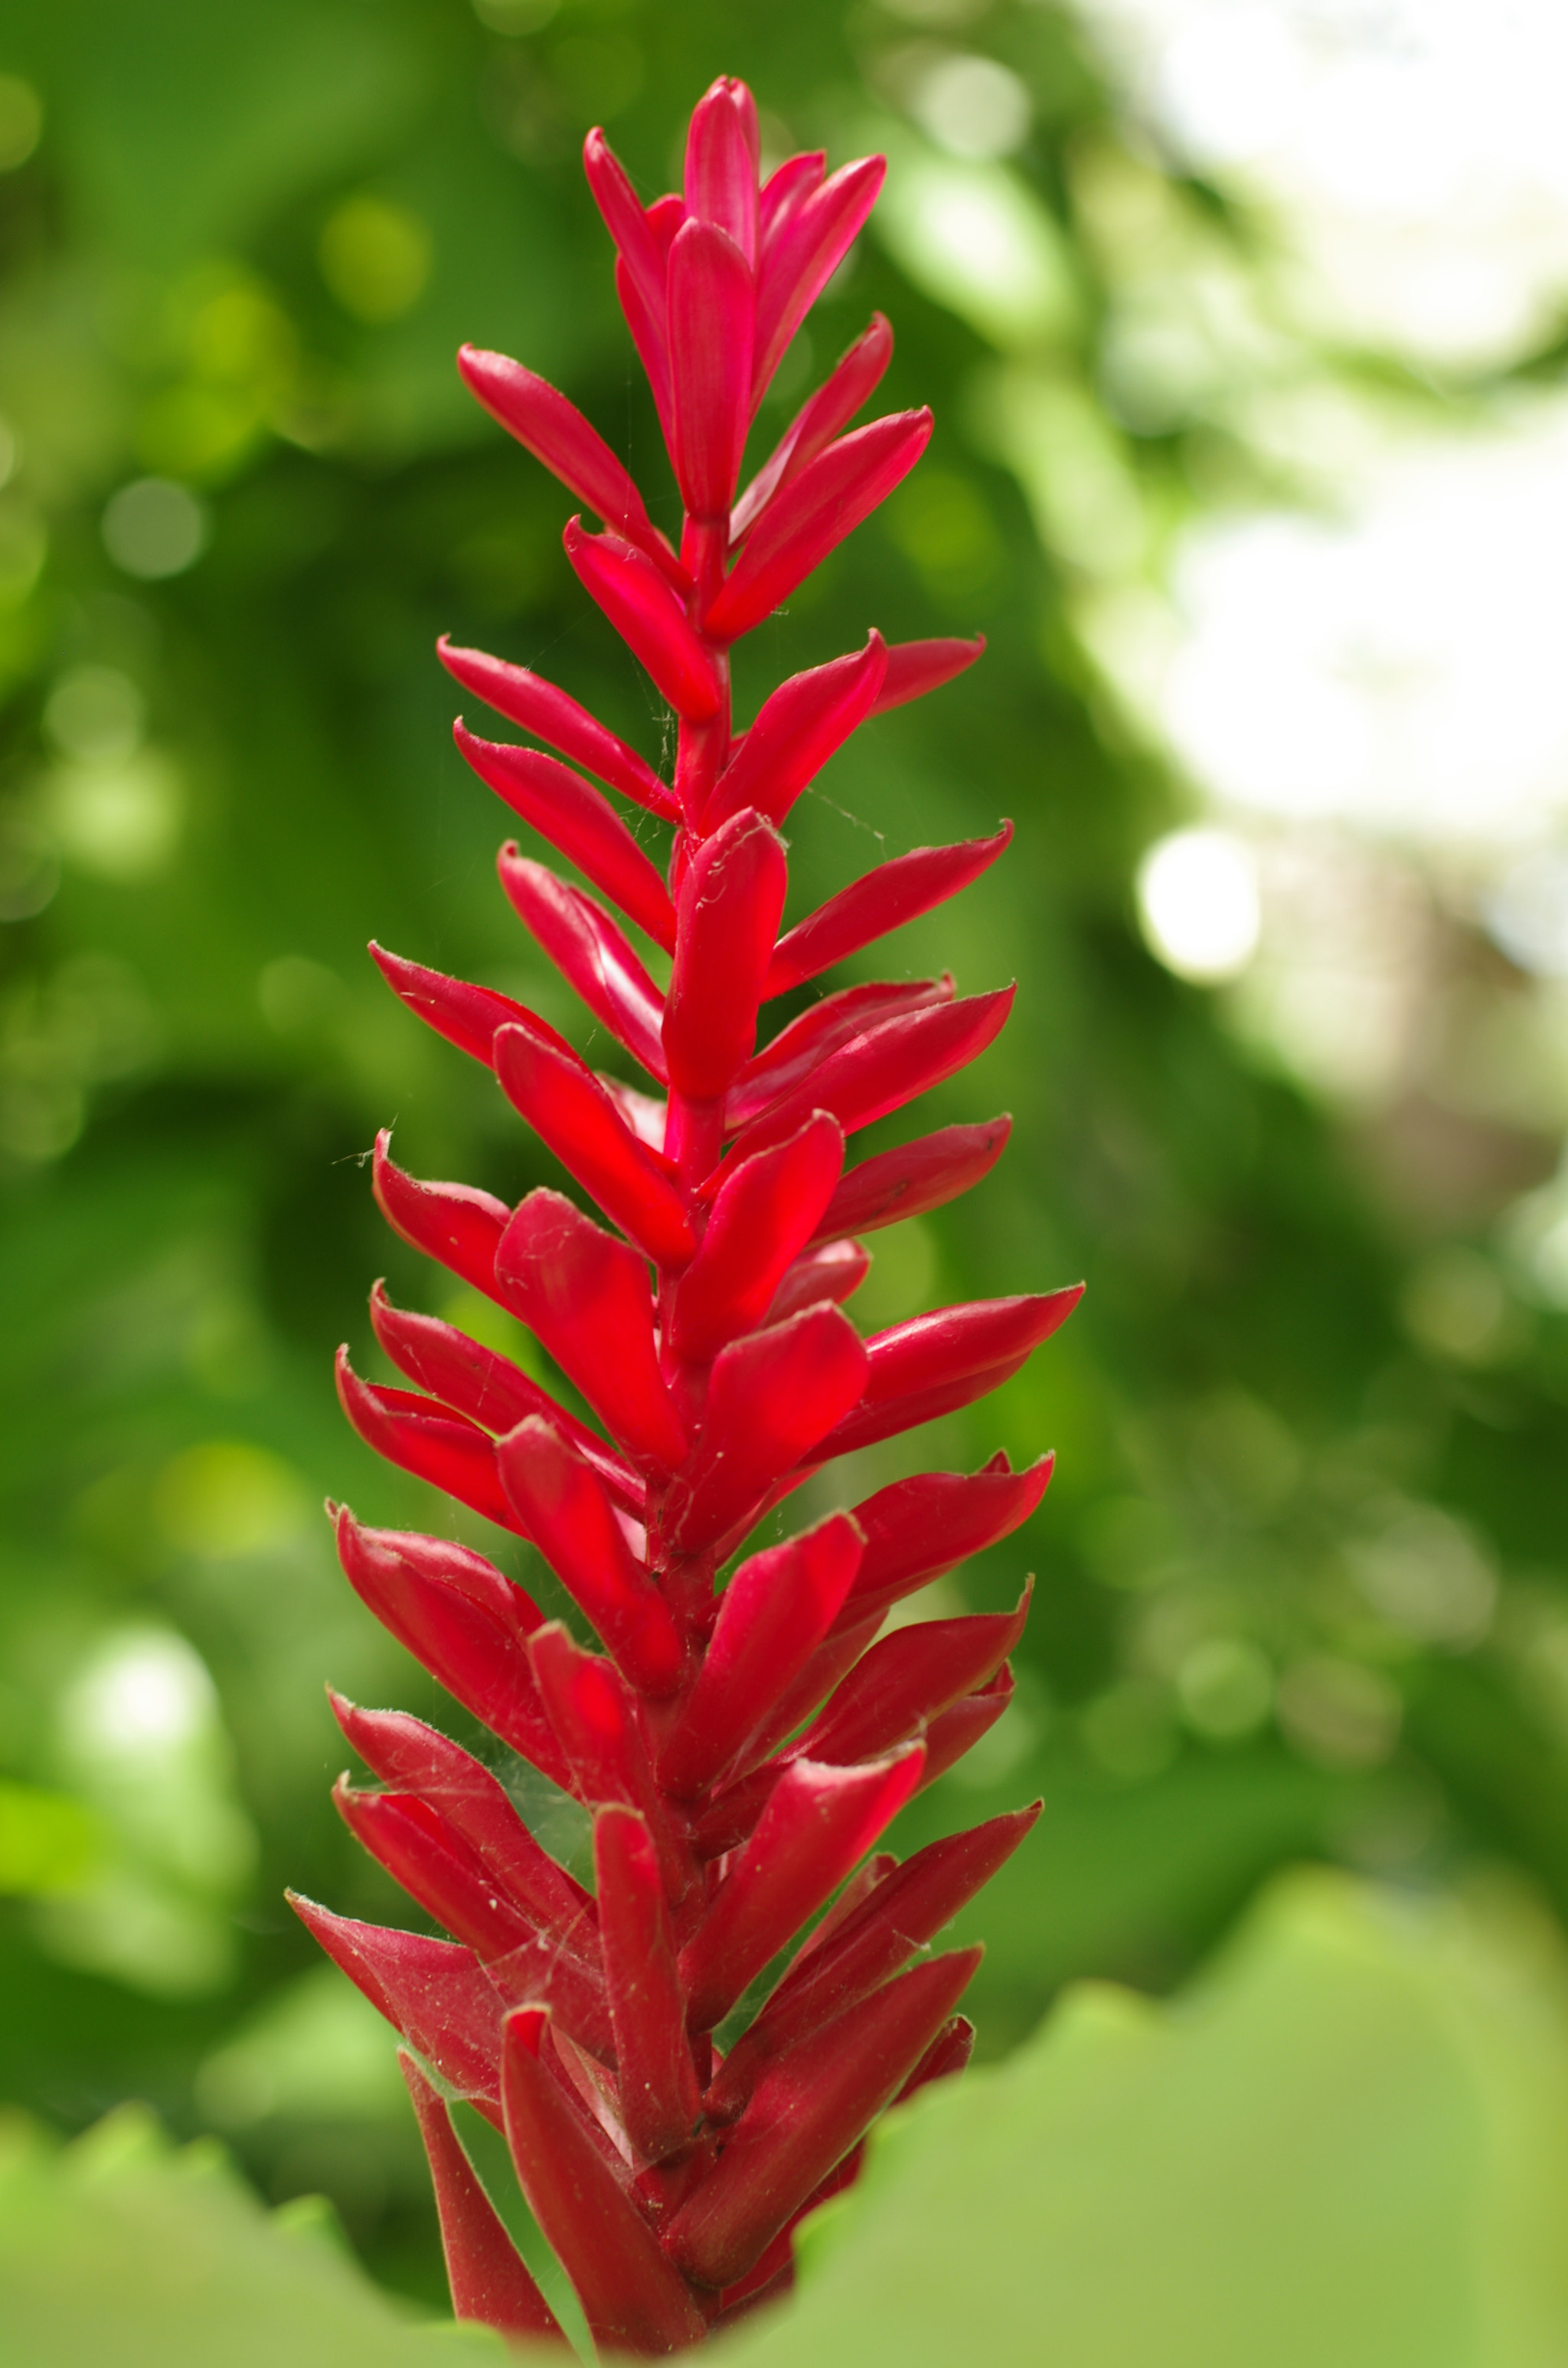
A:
(1302, 1580)
(1348, 2144)
(121, 2248)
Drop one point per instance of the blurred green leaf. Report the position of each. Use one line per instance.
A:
(122, 2250)
(1348, 2144)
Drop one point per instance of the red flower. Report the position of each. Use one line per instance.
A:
(741, 1751)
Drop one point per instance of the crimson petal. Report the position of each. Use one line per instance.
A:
(731, 900)
(556, 433)
(797, 1051)
(817, 1824)
(571, 1110)
(885, 899)
(771, 1397)
(806, 243)
(587, 1298)
(467, 1624)
(835, 1270)
(488, 1388)
(886, 1065)
(915, 667)
(590, 953)
(525, 698)
(961, 1727)
(578, 820)
(648, 615)
(456, 1224)
(908, 1681)
(721, 148)
(434, 1992)
(465, 1015)
(571, 1520)
(807, 2112)
(712, 304)
(925, 1174)
(799, 728)
(918, 1528)
(811, 515)
(411, 1756)
(763, 1215)
(854, 380)
(853, 1951)
(489, 2279)
(428, 1860)
(421, 1436)
(655, 2079)
(772, 1615)
(632, 2297)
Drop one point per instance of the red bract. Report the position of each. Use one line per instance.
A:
(741, 1743)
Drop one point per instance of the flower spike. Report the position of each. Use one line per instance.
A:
(741, 1745)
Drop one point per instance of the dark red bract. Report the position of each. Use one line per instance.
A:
(741, 1751)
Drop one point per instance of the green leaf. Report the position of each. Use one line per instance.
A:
(122, 2250)
(1349, 2144)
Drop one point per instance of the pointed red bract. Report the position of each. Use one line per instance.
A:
(712, 304)
(575, 819)
(648, 618)
(570, 1109)
(603, 1735)
(729, 902)
(959, 1728)
(918, 1529)
(466, 1015)
(423, 1437)
(806, 242)
(886, 1065)
(811, 515)
(468, 1625)
(773, 1614)
(590, 953)
(488, 1388)
(952, 1342)
(421, 1852)
(434, 1992)
(632, 2297)
(656, 2081)
(721, 148)
(918, 1175)
(834, 1270)
(555, 432)
(834, 405)
(623, 215)
(762, 1217)
(586, 1297)
(796, 732)
(915, 667)
(525, 698)
(885, 899)
(908, 1680)
(817, 1824)
(454, 1222)
(805, 2113)
(853, 1953)
(796, 1054)
(772, 1396)
(571, 1520)
(489, 2279)
(412, 1758)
